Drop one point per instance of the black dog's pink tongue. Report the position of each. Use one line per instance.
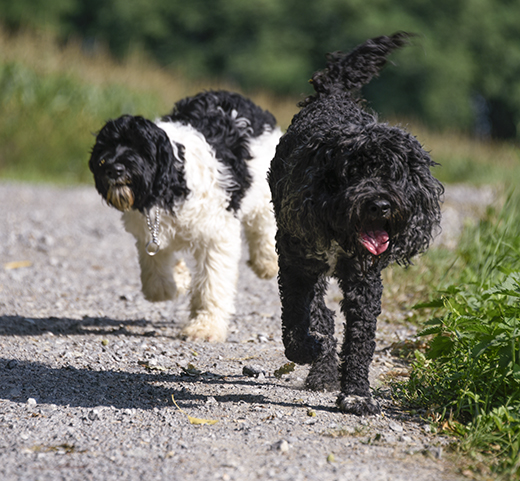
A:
(375, 241)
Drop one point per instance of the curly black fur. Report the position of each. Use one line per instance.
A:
(132, 156)
(227, 121)
(350, 195)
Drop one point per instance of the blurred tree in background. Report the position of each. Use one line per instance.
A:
(462, 74)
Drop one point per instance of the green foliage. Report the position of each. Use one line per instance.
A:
(47, 122)
(53, 97)
(465, 169)
(476, 347)
(471, 372)
(36, 13)
(466, 50)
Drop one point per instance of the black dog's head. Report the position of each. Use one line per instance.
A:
(340, 175)
(135, 165)
(366, 186)
(386, 203)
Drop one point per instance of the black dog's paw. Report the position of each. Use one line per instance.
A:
(303, 347)
(301, 353)
(358, 405)
(324, 374)
(322, 383)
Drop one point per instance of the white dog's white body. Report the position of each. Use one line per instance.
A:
(203, 225)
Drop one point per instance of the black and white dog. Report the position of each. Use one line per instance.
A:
(189, 181)
(351, 195)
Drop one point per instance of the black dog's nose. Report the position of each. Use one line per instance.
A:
(379, 208)
(114, 171)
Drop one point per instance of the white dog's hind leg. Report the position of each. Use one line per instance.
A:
(260, 228)
(214, 285)
(182, 277)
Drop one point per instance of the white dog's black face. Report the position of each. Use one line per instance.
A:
(135, 166)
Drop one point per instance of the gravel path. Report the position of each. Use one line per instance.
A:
(88, 369)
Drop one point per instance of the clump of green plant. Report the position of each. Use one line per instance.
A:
(469, 378)
(477, 344)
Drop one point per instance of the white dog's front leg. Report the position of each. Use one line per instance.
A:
(214, 286)
(157, 279)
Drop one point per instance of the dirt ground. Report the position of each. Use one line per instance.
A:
(89, 371)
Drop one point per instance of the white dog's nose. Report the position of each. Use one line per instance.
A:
(114, 171)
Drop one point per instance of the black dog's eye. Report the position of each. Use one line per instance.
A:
(352, 172)
(101, 162)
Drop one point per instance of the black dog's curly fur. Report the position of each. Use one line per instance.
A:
(351, 195)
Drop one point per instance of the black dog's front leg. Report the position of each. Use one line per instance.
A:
(323, 374)
(307, 324)
(361, 305)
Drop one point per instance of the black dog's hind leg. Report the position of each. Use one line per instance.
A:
(307, 324)
(361, 305)
(324, 374)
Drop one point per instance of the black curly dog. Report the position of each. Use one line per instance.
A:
(351, 195)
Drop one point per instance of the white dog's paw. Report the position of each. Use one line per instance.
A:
(205, 327)
(157, 289)
(264, 268)
(182, 277)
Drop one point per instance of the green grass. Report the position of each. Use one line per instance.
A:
(464, 159)
(47, 122)
(468, 381)
(54, 96)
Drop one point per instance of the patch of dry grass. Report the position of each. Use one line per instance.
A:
(40, 51)
(463, 158)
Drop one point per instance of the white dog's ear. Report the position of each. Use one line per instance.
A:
(170, 183)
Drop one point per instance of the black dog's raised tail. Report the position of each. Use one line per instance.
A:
(350, 71)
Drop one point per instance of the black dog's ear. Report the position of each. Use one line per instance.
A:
(169, 184)
(426, 195)
(312, 167)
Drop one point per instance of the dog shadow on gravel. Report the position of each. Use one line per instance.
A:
(88, 387)
(72, 387)
(26, 326)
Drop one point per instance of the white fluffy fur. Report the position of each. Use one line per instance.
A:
(203, 225)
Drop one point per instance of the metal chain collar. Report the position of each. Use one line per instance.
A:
(153, 246)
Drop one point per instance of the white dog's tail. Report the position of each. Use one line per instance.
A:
(350, 71)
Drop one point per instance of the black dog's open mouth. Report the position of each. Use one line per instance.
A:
(375, 239)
